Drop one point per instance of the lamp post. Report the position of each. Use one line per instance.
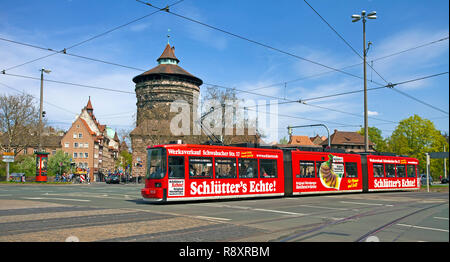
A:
(41, 107)
(356, 18)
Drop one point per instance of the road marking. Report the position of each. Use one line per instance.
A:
(278, 211)
(320, 207)
(253, 209)
(54, 198)
(426, 228)
(368, 204)
(443, 218)
(213, 218)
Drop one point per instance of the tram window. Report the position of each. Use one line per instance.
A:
(156, 163)
(378, 170)
(390, 170)
(306, 169)
(176, 167)
(401, 172)
(248, 168)
(318, 163)
(225, 167)
(200, 167)
(411, 171)
(351, 169)
(268, 168)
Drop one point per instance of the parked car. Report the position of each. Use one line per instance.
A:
(112, 179)
(423, 179)
(444, 181)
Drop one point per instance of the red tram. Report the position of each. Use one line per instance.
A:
(178, 172)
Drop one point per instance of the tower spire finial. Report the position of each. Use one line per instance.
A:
(168, 36)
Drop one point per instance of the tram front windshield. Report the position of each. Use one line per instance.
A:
(156, 163)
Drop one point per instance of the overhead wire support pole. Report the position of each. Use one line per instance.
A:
(356, 18)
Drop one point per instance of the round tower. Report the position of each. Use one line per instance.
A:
(157, 88)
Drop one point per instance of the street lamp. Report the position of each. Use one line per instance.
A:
(43, 70)
(356, 18)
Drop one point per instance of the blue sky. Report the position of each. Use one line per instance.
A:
(221, 59)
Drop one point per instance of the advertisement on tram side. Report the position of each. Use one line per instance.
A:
(325, 172)
(221, 172)
(391, 173)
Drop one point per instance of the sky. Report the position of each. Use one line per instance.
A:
(279, 51)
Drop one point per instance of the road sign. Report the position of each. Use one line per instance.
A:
(439, 154)
(8, 158)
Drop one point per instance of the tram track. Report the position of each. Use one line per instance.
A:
(373, 212)
(393, 222)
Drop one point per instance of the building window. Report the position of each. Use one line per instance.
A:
(86, 155)
(66, 145)
(80, 135)
(75, 155)
(86, 145)
(75, 145)
(74, 135)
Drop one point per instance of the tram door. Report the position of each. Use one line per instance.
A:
(177, 176)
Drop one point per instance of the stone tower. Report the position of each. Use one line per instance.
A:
(155, 90)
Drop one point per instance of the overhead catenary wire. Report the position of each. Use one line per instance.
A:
(89, 39)
(262, 44)
(387, 82)
(343, 39)
(69, 83)
(252, 41)
(238, 90)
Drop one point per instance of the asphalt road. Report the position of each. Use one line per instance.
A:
(110, 213)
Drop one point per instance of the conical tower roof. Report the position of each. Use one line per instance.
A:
(167, 65)
(169, 53)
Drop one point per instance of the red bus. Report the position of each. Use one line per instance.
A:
(193, 172)
(391, 173)
(325, 172)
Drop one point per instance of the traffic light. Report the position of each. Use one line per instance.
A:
(43, 113)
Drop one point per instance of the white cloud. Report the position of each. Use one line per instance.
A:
(411, 64)
(372, 113)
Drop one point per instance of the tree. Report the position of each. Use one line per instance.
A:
(416, 136)
(58, 163)
(376, 138)
(18, 122)
(26, 164)
(283, 141)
